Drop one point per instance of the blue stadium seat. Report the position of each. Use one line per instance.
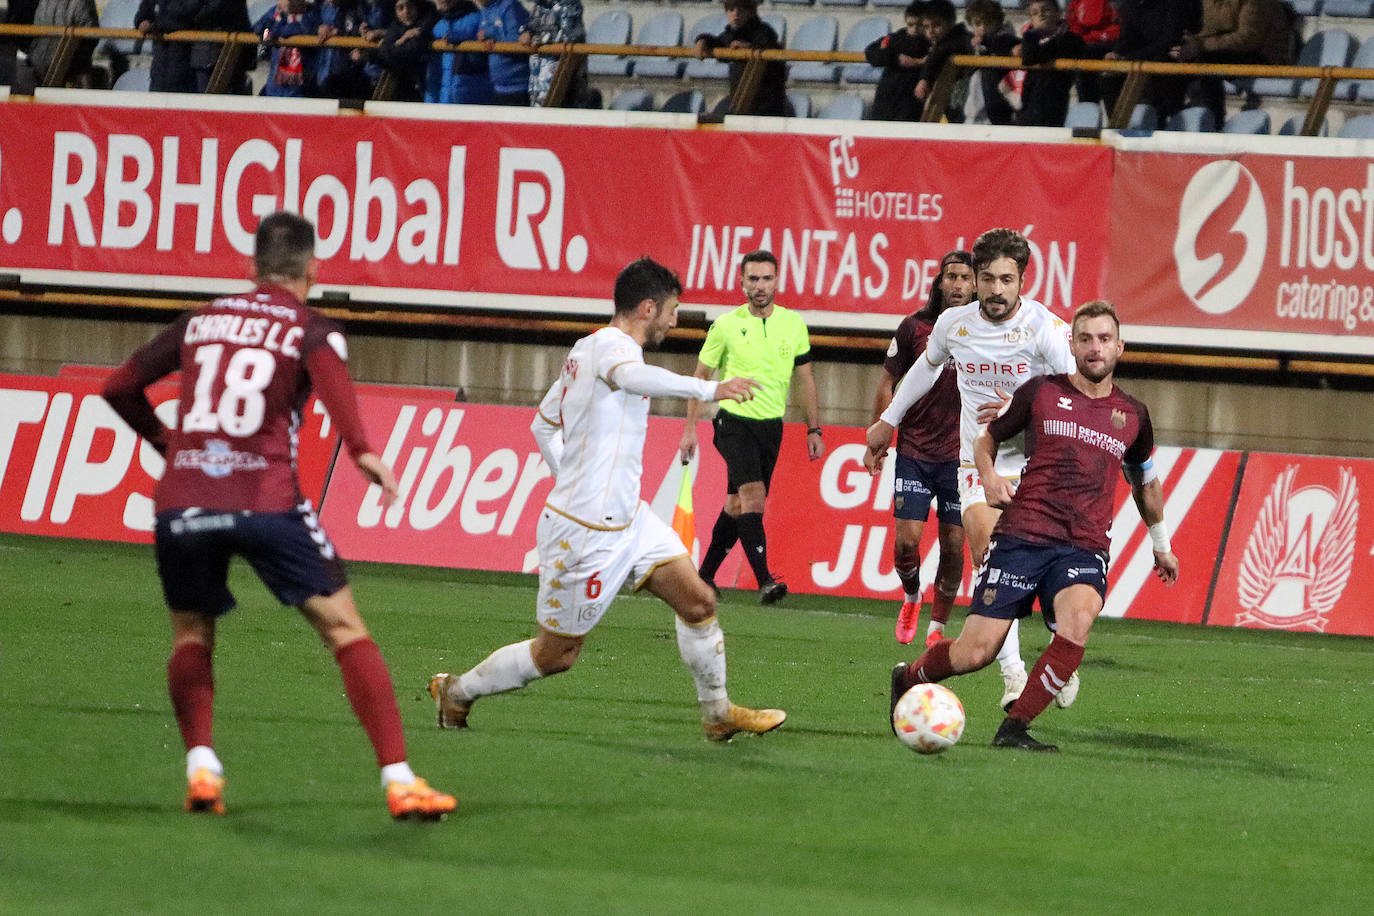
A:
(663, 30)
(779, 23)
(1250, 121)
(1360, 127)
(899, 4)
(1194, 119)
(709, 69)
(860, 35)
(259, 8)
(689, 102)
(842, 2)
(1348, 9)
(793, 2)
(820, 33)
(133, 80)
(1084, 115)
(1143, 117)
(1349, 90)
(1293, 127)
(801, 103)
(1306, 7)
(1327, 48)
(633, 100)
(847, 107)
(119, 14)
(610, 28)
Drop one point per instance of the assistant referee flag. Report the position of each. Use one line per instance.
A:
(684, 519)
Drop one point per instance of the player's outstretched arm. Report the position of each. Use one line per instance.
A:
(736, 389)
(917, 382)
(1149, 499)
(377, 471)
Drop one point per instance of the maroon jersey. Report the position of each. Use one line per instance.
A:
(930, 429)
(1075, 446)
(247, 366)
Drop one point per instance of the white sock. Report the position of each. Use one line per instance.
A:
(397, 772)
(914, 599)
(202, 757)
(702, 648)
(508, 668)
(935, 627)
(1009, 656)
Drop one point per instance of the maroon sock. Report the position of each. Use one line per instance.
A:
(907, 565)
(940, 608)
(368, 685)
(191, 682)
(933, 665)
(1056, 664)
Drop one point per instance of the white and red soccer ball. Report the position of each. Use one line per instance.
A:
(928, 718)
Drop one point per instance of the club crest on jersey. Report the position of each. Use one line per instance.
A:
(989, 595)
(1118, 419)
(1298, 558)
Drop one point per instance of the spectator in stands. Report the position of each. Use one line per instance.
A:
(78, 13)
(457, 78)
(291, 69)
(340, 73)
(949, 37)
(1045, 93)
(404, 51)
(186, 67)
(988, 95)
(1150, 29)
(1099, 25)
(900, 55)
(744, 29)
(1233, 32)
(554, 22)
(504, 20)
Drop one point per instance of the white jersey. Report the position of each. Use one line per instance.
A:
(601, 403)
(993, 357)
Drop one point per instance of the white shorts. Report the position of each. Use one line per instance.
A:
(581, 569)
(971, 487)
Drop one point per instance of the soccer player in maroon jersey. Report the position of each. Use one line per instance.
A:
(248, 364)
(927, 465)
(1051, 543)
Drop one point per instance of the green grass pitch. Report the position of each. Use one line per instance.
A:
(1202, 770)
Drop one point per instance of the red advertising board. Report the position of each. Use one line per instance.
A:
(536, 211)
(1257, 248)
(1299, 552)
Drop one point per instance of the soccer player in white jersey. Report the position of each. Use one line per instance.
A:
(595, 531)
(997, 344)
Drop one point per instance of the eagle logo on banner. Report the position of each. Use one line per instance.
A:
(1297, 561)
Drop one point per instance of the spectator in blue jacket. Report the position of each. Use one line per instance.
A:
(457, 78)
(504, 20)
(339, 72)
(290, 73)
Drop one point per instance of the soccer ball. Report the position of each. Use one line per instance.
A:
(928, 718)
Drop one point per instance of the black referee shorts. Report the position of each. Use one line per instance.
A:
(750, 448)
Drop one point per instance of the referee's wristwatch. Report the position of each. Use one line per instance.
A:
(813, 431)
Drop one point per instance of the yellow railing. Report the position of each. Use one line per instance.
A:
(1135, 74)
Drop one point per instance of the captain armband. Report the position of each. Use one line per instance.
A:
(1138, 475)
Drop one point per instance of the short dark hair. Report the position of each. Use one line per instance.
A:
(284, 246)
(1052, 3)
(1095, 309)
(643, 279)
(916, 9)
(758, 256)
(987, 12)
(941, 11)
(749, 6)
(1000, 243)
(936, 303)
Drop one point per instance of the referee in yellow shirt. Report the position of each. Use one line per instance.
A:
(768, 343)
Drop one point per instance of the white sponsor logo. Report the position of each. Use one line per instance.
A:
(530, 194)
(1065, 403)
(1298, 558)
(1210, 282)
(218, 460)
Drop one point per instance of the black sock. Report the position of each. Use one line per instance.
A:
(724, 534)
(755, 545)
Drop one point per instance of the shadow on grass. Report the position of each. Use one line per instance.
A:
(1187, 752)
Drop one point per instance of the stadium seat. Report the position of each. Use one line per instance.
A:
(1250, 121)
(663, 30)
(1349, 90)
(119, 14)
(793, 2)
(1084, 115)
(779, 23)
(1143, 117)
(259, 8)
(134, 80)
(1327, 48)
(690, 101)
(801, 103)
(1360, 127)
(1348, 9)
(819, 33)
(610, 28)
(633, 100)
(898, 4)
(1293, 127)
(842, 2)
(1306, 7)
(847, 107)
(709, 69)
(1195, 119)
(860, 35)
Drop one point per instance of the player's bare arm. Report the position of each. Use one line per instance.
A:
(1149, 499)
(998, 489)
(882, 394)
(994, 409)
(377, 471)
(687, 448)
